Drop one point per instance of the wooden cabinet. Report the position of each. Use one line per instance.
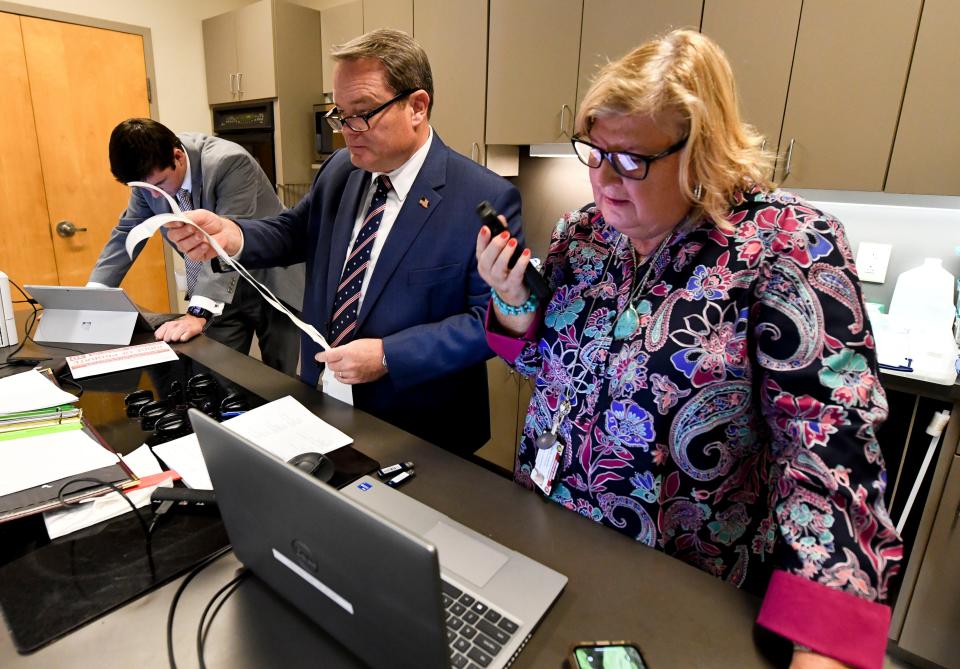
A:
(220, 57)
(297, 53)
(238, 54)
(933, 617)
(534, 49)
(338, 24)
(849, 73)
(612, 28)
(396, 14)
(542, 58)
(760, 50)
(928, 136)
(454, 35)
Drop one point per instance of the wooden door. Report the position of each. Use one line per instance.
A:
(928, 137)
(83, 82)
(532, 70)
(849, 73)
(613, 28)
(759, 43)
(26, 250)
(454, 35)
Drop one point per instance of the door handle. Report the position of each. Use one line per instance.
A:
(68, 229)
(563, 128)
(786, 168)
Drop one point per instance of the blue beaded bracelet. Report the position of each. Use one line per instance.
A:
(508, 309)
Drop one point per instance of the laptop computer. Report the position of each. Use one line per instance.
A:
(81, 315)
(394, 580)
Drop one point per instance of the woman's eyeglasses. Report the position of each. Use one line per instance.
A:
(629, 165)
(361, 122)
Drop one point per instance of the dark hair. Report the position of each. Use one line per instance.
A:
(403, 58)
(140, 146)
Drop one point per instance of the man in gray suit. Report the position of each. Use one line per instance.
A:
(206, 172)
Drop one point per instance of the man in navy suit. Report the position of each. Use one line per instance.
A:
(392, 281)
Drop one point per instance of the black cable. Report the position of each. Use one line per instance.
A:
(176, 598)
(31, 320)
(202, 630)
(117, 489)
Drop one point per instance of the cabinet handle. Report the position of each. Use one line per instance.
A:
(563, 108)
(763, 144)
(239, 83)
(233, 88)
(786, 168)
(475, 152)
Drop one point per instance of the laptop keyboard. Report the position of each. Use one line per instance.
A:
(475, 631)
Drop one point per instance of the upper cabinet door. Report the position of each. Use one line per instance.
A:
(220, 57)
(928, 137)
(396, 14)
(255, 62)
(338, 24)
(454, 35)
(613, 28)
(532, 71)
(759, 44)
(848, 78)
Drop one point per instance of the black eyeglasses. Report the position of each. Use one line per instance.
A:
(629, 165)
(361, 122)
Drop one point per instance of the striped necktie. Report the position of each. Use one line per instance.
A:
(347, 300)
(193, 267)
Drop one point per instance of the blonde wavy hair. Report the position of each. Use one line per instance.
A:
(685, 76)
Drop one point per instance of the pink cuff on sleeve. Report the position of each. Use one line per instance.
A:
(827, 621)
(505, 346)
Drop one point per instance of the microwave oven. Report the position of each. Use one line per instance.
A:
(326, 140)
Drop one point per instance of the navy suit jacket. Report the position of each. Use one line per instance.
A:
(425, 300)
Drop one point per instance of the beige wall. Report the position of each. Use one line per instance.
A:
(180, 84)
(549, 187)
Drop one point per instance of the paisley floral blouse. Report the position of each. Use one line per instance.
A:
(735, 427)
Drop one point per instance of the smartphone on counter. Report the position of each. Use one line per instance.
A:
(606, 655)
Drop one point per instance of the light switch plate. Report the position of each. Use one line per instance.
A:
(872, 261)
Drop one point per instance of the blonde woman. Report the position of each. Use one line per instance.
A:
(706, 381)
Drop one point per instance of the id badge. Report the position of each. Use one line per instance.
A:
(545, 469)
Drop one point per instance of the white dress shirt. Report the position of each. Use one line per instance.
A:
(402, 180)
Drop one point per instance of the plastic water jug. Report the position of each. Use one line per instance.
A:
(924, 294)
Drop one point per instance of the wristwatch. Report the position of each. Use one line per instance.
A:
(200, 312)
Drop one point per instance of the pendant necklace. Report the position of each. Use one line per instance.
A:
(628, 322)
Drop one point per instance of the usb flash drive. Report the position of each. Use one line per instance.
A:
(400, 478)
(392, 470)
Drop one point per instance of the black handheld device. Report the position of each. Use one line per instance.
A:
(531, 277)
(596, 654)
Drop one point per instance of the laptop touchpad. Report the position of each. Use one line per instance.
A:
(465, 556)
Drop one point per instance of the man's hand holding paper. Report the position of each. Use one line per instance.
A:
(194, 245)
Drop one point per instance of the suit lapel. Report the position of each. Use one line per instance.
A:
(342, 234)
(410, 220)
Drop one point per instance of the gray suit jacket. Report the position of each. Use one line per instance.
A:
(227, 180)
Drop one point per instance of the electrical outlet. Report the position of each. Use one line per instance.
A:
(872, 261)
